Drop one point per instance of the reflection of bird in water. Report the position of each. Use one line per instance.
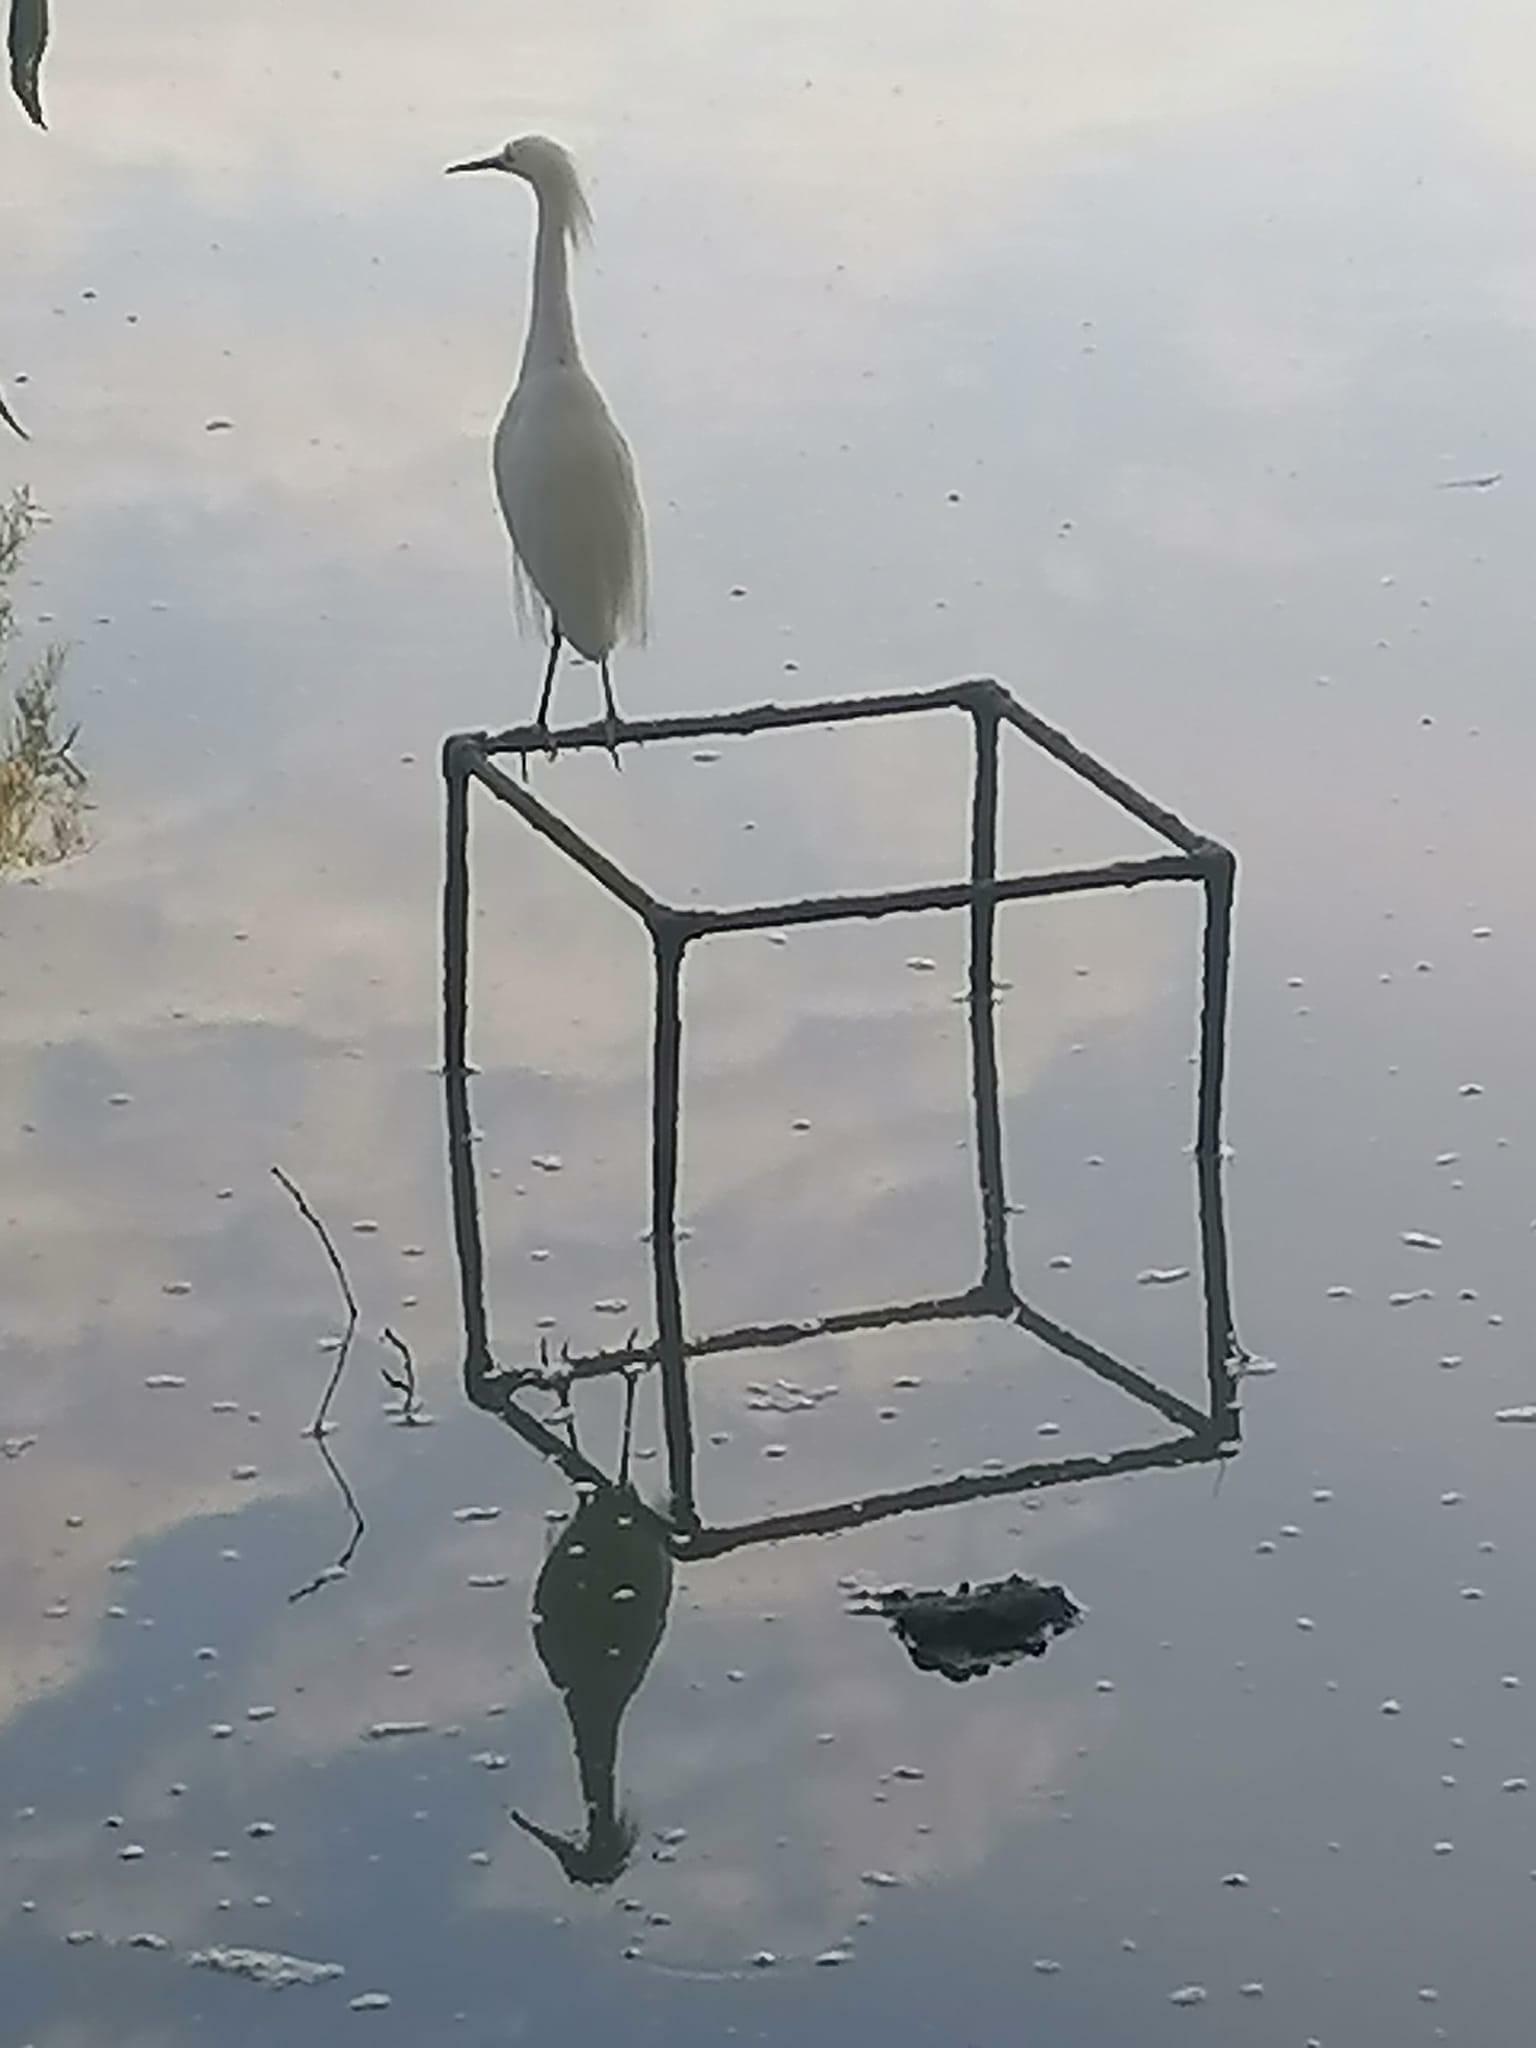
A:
(599, 1612)
(600, 1607)
(564, 473)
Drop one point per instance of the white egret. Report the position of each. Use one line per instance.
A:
(564, 473)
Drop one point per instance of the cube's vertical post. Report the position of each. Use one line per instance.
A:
(456, 907)
(1220, 881)
(1221, 1345)
(668, 942)
(465, 1199)
(983, 917)
(1222, 1350)
(461, 1164)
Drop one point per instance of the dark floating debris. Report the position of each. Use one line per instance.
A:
(969, 1632)
(1473, 483)
(403, 1382)
(328, 1245)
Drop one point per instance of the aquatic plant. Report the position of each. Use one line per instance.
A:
(42, 785)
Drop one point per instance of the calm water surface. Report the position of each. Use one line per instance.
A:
(1128, 354)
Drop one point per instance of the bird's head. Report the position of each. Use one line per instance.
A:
(548, 167)
(599, 1858)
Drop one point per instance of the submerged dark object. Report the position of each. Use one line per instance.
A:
(966, 1633)
(28, 40)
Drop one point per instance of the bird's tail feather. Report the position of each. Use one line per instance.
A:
(528, 608)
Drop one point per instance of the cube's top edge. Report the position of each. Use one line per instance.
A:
(745, 720)
(988, 702)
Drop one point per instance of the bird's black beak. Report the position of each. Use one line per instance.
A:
(478, 163)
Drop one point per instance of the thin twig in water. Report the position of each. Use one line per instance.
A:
(404, 1382)
(338, 1570)
(317, 1427)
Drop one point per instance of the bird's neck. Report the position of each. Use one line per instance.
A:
(551, 341)
(597, 1756)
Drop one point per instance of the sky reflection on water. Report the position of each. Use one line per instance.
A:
(1121, 355)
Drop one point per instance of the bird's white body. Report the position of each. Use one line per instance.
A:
(567, 487)
(564, 475)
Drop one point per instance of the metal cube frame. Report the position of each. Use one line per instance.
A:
(1203, 1433)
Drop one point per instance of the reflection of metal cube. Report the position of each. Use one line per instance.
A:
(1204, 1432)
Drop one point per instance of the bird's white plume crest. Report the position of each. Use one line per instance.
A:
(551, 170)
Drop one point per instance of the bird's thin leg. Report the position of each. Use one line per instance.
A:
(611, 715)
(570, 1412)
(542, 721)
(555, 644)
(631, 1383)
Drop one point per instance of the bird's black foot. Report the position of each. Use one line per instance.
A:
(550, 748)
(611, 741)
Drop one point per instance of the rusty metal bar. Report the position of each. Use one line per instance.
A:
(464, 1196)
(566, 837)
(985, 1090)
(1224, 1355)
(750, 718)
(1194, 1448)
(1220, 880)
(666, 1112)
(1117, 874)
(1131, 1382)
(456, 903)
(1167, 824)
(975, 1304)
(1222, 1349)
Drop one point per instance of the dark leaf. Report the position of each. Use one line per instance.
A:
(28, 41)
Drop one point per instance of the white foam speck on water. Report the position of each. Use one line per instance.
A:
(269, 1968)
